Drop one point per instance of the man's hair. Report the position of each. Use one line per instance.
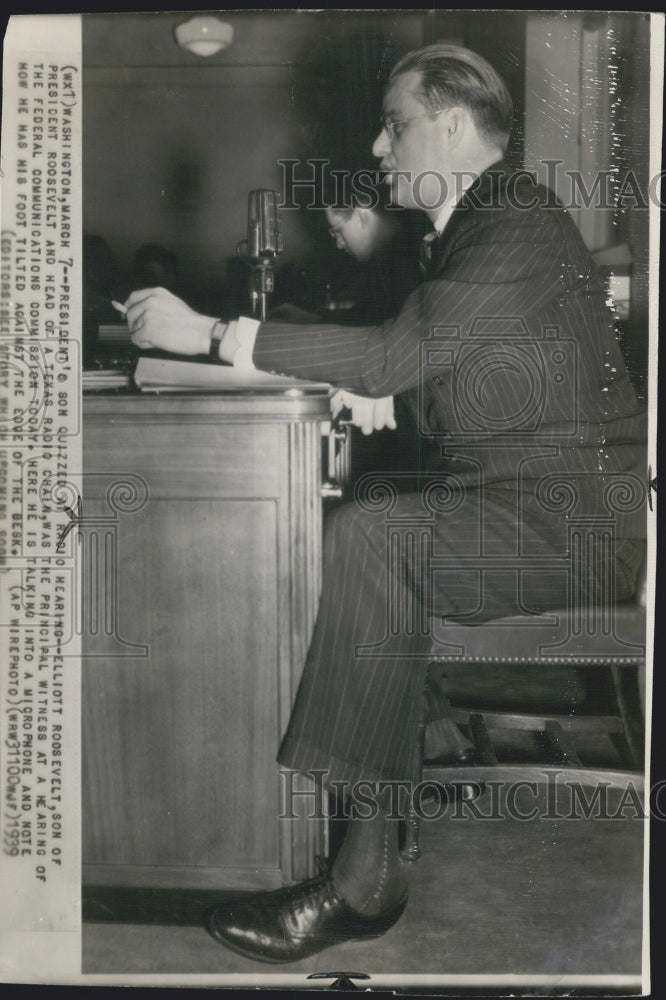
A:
(452, 76)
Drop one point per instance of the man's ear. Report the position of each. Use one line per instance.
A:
(455, 121)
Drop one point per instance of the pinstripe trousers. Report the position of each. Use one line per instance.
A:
(385, 574)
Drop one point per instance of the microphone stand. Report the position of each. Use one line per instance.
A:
(262, 283)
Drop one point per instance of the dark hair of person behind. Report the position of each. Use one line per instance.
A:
(155, 265)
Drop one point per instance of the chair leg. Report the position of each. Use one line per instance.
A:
(482, 741)
(624, 751)
(631, 745)
(616, 691)
(411, 851)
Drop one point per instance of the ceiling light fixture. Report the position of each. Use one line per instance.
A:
(204, 36)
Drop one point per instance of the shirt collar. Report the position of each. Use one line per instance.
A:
(469, 183)
(445, 214)
(447, 210)
(476, 185)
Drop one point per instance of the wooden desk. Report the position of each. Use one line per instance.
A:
(202, 556)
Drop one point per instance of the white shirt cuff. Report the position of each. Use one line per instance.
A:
(246, 334)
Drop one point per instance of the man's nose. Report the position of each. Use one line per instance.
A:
(382, 144)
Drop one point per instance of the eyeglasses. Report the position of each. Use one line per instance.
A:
(390, 126)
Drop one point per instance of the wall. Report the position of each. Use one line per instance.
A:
(173, 142)
(584, 71)
(587, 105)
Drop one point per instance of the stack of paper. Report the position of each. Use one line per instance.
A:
(104, 378)
(113, 333)
(163, 375)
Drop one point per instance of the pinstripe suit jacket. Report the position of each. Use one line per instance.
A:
(507, 352)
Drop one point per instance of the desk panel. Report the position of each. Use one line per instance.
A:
(199, 602)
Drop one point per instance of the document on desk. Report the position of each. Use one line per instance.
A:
(163, 375)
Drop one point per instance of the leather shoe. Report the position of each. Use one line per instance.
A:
(289, 924)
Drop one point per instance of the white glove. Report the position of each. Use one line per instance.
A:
(368, 414)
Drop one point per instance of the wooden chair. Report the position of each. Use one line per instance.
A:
(606, 641)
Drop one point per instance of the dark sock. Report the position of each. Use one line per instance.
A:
(368, 872)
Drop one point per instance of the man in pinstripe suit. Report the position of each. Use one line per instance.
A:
(507, 356)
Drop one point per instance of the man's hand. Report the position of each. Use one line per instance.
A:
(368, 414)
(156, 318)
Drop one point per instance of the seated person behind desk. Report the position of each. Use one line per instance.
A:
(386, 249)
(155, 265)
(99, 286)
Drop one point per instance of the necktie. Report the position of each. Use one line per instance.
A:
(426, 251)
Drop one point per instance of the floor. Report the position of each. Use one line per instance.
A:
(545, 896)
(554, 895)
